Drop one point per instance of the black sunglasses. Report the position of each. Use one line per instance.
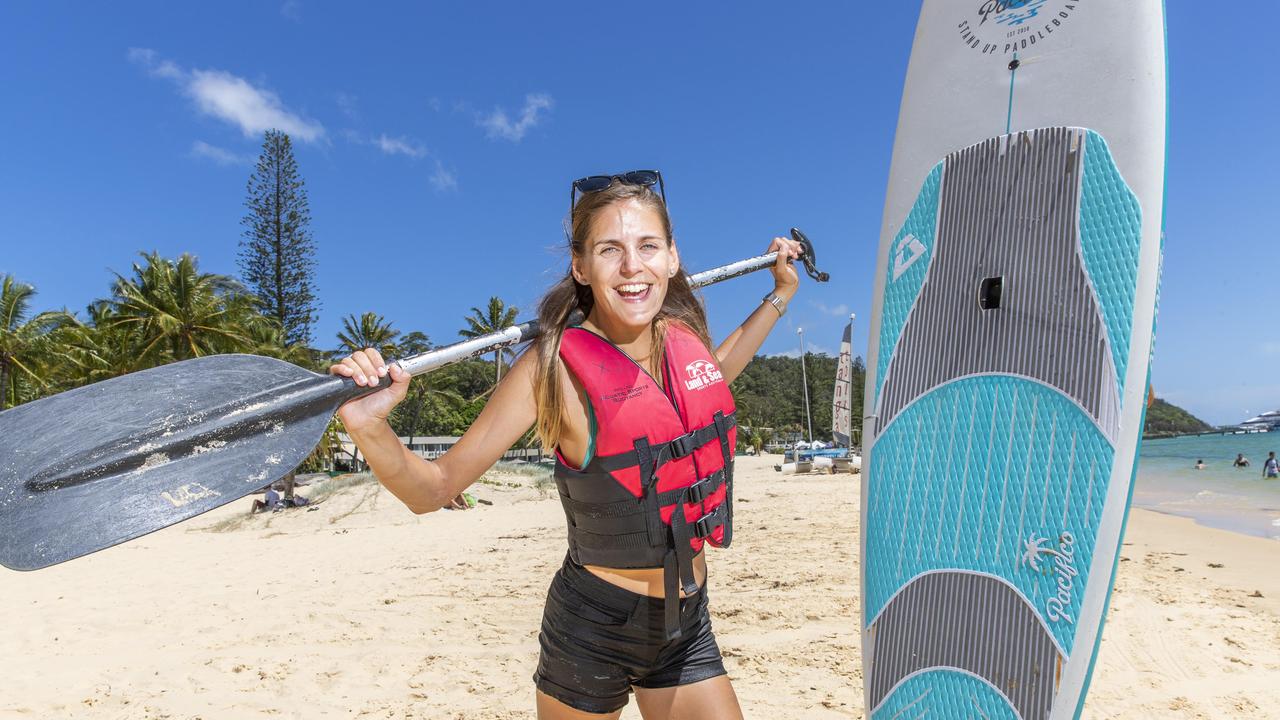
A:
(596, 183)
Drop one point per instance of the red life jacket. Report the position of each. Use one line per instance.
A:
(655, 451)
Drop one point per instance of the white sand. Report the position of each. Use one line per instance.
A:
(357, 608)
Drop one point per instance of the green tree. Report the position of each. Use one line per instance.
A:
(98, 349)
(1166, 419)
(178, 313)
(370, 330)
(414, 343)
(277, 253)
(25, 344)
(770, 392)
(497, 317)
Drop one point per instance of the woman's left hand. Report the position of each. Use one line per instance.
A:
(785, 279)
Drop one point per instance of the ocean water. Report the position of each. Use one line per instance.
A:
(1220, 496)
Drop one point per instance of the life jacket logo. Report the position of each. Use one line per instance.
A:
(701, 374)
(622, 394)
(910, 249)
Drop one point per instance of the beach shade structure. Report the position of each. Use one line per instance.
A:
(98, 465)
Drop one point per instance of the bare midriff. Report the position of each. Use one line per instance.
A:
(645, 581)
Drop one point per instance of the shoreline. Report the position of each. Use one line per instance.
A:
(1202, 519)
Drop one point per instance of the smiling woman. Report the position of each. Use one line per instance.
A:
(636, 402)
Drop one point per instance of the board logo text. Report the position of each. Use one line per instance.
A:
(1058, 563)
(1005, 27)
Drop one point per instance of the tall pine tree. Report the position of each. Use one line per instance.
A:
(277, 254)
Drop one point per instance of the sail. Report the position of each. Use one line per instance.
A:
(841, 403)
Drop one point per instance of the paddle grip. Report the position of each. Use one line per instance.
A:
(350, 390)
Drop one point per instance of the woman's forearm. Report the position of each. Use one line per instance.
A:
(742, 344)
(414, 481)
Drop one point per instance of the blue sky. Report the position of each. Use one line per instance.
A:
(438, 143)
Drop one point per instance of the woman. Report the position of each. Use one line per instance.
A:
(636, 404)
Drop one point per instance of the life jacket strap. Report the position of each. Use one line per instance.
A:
(722, 425)
(678, 447)
(682, 555)
(694, 493)
(649, 490)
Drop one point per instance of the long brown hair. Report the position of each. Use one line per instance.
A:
(554, 311)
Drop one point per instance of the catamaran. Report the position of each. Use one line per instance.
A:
(841, 457)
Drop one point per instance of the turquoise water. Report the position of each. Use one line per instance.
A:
(1220, 496)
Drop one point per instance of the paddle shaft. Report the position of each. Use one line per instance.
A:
(516, 334)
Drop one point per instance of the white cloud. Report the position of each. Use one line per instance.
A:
(1271, 347)
(155, 67)
(500, 125)
(443, 179)
(347, 103)
(254, 110)
(808, 348)
(202, 149)
(400, 146)
(292, 9)
(231, 99)
(840, 310)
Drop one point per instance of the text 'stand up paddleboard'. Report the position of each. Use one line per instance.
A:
(1011, 336)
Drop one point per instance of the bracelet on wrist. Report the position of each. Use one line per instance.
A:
(778, 302)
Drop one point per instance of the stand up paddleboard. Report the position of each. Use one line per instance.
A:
(1010, 341)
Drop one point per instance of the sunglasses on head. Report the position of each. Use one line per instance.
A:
(596, 183)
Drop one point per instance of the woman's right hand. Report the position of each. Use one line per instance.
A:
(366, 367)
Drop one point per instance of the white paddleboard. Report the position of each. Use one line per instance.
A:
(1010, 341)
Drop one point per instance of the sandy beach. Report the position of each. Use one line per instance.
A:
(356, 608)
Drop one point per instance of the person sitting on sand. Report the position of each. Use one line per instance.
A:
(627, 610)
(1199, 464)
(1241, 461)
(1271, 467)
(270, 501)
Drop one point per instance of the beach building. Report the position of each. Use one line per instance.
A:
(347, 455)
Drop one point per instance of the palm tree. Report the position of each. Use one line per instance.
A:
(498, 317)
(370, 330)
(97, 349)
(25, 345)
(180, 313)
(268, 338)
(431, 404)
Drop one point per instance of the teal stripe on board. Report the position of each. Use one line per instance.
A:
(900, 292)
(1110, 237)
(995, 474)
(945, 694)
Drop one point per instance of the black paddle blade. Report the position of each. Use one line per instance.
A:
(108, 462)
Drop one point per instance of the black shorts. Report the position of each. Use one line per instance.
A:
(598, 640)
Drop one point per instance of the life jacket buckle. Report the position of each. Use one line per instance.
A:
(683, 445)
(707, 524)
(698, 491)
(702, 489)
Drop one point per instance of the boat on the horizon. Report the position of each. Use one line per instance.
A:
(1266, 422)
